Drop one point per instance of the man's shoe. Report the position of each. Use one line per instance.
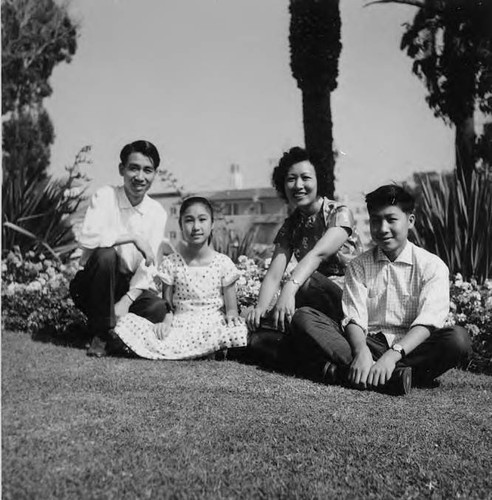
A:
(400, 382)
(97, 349)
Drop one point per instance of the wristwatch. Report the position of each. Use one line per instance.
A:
(399, 349)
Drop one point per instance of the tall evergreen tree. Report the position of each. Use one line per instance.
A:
(36, 36)
(315, 48)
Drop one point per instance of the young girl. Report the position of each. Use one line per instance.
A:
(200, 283)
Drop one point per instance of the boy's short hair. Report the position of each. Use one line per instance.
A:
(144, 147)
(388, 195)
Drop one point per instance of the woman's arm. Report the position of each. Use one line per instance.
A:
(328, 245)
(269, 286)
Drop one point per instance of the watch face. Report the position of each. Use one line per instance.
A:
(397, 348)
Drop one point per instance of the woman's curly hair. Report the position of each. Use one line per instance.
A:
(291, 157)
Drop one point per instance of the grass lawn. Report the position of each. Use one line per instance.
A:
(78, 427)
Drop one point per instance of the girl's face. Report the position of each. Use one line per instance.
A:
(301, 185)
(196, 224)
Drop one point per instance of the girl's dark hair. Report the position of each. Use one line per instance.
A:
(390, 194)
(144, 147)
(291, 157)
(192, 200)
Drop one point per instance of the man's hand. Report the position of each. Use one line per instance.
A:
(162, 329)
(122, 306)
(144, 248)
(382, 370)
(360, 367)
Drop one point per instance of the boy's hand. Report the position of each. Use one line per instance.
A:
(360, 368)
(382, 370)
(162, 329)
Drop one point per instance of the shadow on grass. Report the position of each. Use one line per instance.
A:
(75, 334)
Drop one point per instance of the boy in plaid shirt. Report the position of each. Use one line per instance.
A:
(395, 303)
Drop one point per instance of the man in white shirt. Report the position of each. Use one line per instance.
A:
(120, 236)
(395, 303)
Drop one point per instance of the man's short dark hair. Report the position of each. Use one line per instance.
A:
(388, 195)
(144, 147)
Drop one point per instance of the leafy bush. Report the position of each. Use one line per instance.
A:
(36, 212)
(455, 221)
(471, 307)
(36, 298)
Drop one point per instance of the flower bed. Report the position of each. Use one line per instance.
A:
(36, 299)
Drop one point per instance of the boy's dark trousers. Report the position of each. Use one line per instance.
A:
(315, 339)
(100, 285)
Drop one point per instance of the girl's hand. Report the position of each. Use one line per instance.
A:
(254, 318)
(162, 329)
(233, 320)
(284, 310)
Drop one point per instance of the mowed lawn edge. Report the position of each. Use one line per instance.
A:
(78, 427)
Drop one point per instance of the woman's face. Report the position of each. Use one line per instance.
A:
(301, 185)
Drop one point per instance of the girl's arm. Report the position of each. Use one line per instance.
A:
(269, 286)
(162, 329)
(230, 303)
(328, 245)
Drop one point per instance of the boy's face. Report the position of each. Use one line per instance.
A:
(138, 172)
(389, 229)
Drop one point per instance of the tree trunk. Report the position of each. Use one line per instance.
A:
(465, 149)
(318, 135)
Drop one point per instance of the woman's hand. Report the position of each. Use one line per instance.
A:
(254, 318)
(284, 308)
(162, 329)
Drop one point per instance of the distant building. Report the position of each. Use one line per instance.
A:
(358, 207)
(239, 209)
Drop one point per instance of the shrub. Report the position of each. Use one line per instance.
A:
(471, 307)
(454, 221)
(36, 298)
(36, 212)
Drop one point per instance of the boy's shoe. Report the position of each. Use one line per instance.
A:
(330, 374)
(400, 382)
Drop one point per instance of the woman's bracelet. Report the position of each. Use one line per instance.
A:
(129, 296)
(294, 281)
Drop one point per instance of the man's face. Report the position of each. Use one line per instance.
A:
(138, 174)
(389, 229)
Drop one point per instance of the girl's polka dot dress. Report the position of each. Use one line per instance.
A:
(198, 327)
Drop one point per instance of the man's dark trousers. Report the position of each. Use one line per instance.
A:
(100, 285)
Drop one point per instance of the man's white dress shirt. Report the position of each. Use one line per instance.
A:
(111, 215)
(391, 297)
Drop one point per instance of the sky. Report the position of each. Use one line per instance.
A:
(209, 83)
